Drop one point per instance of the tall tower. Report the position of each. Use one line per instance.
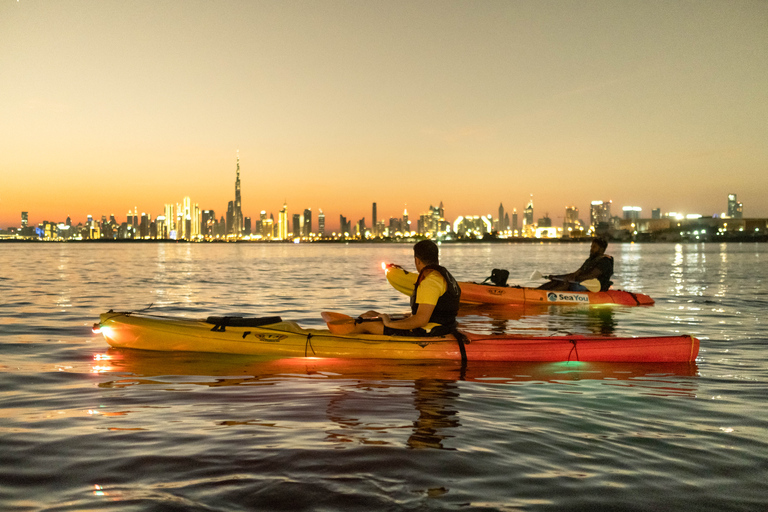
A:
(735, 208)
(375, 219)
(528, 213)
(283, 223)
(238, 211)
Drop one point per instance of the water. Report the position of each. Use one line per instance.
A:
(86, 427)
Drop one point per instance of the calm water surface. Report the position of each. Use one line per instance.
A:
(86, 427)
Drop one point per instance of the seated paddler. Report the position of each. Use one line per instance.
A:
(434, 302)
(598, 266)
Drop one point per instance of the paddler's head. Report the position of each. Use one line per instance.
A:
(426, 253)
(599, 245)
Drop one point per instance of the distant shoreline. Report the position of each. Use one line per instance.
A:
(718, 240)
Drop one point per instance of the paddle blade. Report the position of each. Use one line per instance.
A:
(592, 285)
(536, 275)
(338, 323)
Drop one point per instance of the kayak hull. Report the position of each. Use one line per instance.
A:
(288, 339)
(474, 293)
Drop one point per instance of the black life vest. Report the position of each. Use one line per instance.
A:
(448, 304)
(605, 264)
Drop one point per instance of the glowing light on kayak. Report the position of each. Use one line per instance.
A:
(96, 328)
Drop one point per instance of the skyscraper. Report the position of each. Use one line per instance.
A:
(307, 227)
(375, 220)
(515, 227)
(282, 223)
(321, 223)
(237, 220)
(735, 208)
(599, 212)
(571, 220)
(528, 214)
(296, 225)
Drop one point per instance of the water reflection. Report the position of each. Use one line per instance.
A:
(435, 401)
(363, 402)
(523, 318)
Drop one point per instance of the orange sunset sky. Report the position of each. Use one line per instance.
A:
(110, 105)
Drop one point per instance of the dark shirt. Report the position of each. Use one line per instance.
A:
(604, 264)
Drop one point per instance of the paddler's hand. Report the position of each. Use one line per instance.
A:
(385, 319)
(370, 314)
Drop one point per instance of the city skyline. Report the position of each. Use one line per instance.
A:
(293, 223)
(109, 107)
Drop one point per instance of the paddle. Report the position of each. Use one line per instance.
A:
(593, 285)
(339, 323)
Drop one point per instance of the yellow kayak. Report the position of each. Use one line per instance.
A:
(272, 336)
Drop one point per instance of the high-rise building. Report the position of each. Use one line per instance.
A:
(266, 228)
(631, 212)
(307, 225)
(501, 226)
(375, 220)
(599, 212)
(144, 226)
(656, 213)
(237, 214)
(528, 214)
(515, 226)
(208, 224)
(282, 223)
(735, 208)
(296, 226)
(321, 224)
(571, 220)
(24, 219)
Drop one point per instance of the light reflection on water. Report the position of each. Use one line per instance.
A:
(93, 427)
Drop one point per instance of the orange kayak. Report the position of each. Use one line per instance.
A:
(474, 293)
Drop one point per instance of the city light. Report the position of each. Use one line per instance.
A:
(186, 221)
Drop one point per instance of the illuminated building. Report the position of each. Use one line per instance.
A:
(735, 208)
(296, 225)
(307, 224)
(208, 224)
(237, 213)
(375, 219)
(599, 213)
(282, 223)
(321, 223)
(632, 212)
(571, 220)
(515, 227)
(473, 226)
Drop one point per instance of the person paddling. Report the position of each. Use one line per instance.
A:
(434, 302)
(598, 266)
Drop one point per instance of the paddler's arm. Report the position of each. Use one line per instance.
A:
(420, 319)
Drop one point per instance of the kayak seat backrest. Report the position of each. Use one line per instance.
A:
(220, 322)
(498, 277)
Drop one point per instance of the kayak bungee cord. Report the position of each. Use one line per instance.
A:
(574, 348)
(309, 344)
